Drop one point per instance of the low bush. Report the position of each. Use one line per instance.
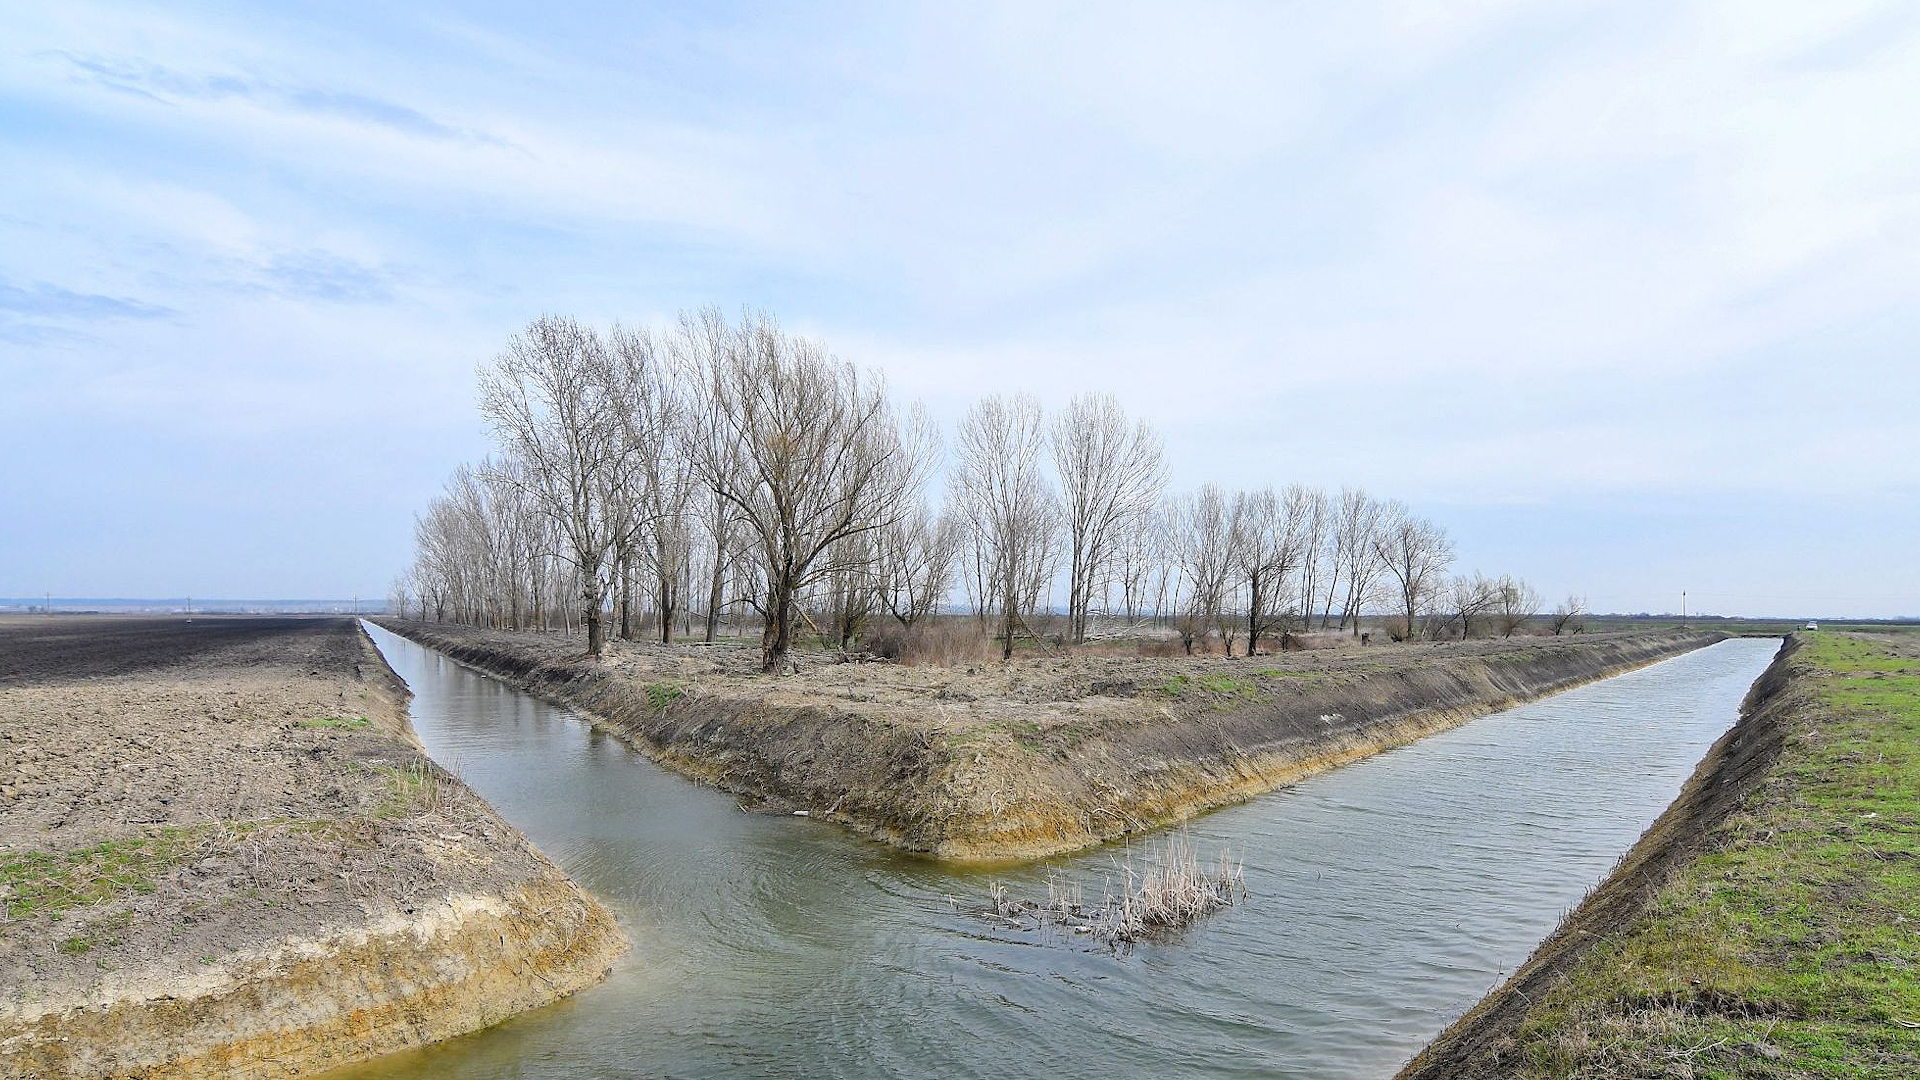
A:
(943, 643)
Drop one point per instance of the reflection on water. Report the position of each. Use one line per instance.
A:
(1384, 899)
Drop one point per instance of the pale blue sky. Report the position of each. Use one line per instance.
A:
(1626, 294)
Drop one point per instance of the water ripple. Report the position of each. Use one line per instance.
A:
(1384, 899)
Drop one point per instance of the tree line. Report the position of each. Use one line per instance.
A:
(724, 468)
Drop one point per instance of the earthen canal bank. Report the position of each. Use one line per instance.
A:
(1039, 756)
(226, 855)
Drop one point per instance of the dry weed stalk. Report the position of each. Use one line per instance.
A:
(1165, 895)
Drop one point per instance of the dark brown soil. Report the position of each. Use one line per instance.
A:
(178, 796)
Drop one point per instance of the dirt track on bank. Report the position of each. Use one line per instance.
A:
(1039, 755)
(211, 828)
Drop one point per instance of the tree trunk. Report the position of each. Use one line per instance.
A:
(1008, 603)
(715, 597)
(1079, 593)
(1253, 616)
(777, 639)
(626, 601)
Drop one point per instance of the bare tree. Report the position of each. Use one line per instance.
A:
(654, 509)
(1311, 515)
(723, 551)
(916, 561)
(1266, 541)
(548, 400)
(805, 451)
(1111, 472)
(1415, 553)
(1138, 554)
(1357, 526)
(1516, 604)
(1472, 597)
(1012, 513)
(1205, 541)
(1569, 617)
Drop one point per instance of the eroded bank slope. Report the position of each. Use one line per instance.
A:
(1764, 926)
(1038, 756)
(225, 855)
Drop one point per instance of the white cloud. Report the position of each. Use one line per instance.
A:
(1392, 242)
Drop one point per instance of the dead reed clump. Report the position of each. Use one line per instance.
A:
(1163, 896)
(1175, 892)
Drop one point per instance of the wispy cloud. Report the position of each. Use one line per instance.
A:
(167, 85)
(40, 313)
(320, 275)
(47, 301)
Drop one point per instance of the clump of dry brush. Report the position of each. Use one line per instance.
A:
(1167, 894)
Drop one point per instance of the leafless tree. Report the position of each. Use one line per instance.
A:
(1012, 515)
(1471, 597)
(1517, 603)
(1569, 617)
(1267, 539)
(1137, 555)
(806, 451)
(1357, 526)
(917, 557)
(1111, 473)
(1205, 539)
(1415, 553)
(1311, 515)
(551, 406)
(722, 552)
(654, 508)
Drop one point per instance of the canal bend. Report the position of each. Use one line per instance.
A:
(1384, 899)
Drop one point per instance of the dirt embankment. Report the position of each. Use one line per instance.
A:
(224, 854)
(1038, 756)
(1481, 1045)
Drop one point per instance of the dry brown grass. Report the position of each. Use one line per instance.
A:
(1162, 896)
(940, 643)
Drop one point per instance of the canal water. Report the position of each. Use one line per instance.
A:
(1383, 899)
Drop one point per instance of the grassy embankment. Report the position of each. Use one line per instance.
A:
(1789, 946)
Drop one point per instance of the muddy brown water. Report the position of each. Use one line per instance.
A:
(1384, 899)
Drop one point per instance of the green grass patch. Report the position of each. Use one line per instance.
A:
(1791, 948)
(51, 883)
(1026, 733)
(661, 695)
(411, 789)
(340, 723)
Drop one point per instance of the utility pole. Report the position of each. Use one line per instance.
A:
(1683, 608)
(49, 604)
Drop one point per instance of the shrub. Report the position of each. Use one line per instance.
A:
(939, 643)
